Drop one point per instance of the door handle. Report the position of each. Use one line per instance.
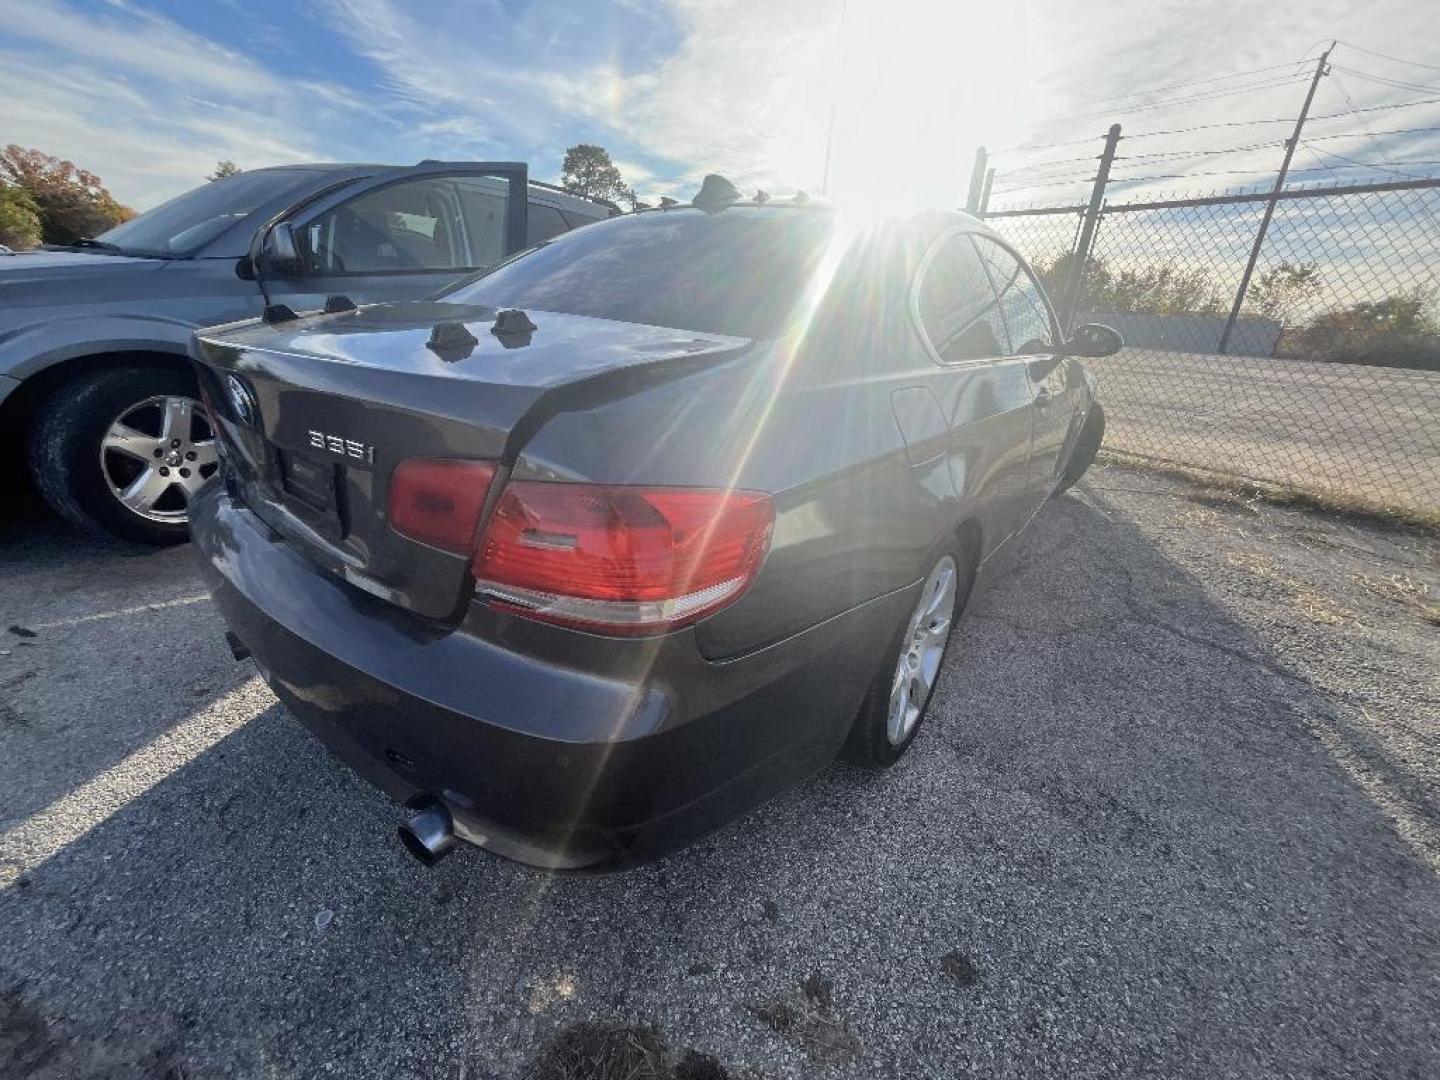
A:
(1042, 398)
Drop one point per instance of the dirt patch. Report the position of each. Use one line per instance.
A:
(37, 1049)
(26, 1043)
(960, 969)
(614, 1052)
(806, 1017)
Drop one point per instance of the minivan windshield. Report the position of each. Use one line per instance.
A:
(736, 272)
(188, 222)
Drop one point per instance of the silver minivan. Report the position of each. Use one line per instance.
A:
(95, 385)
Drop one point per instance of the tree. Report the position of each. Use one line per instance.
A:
(588, 170)
(223, 169)
(1154, 289)
(71, 203)
(19, 219)
(1283, 292)
(1400, 330)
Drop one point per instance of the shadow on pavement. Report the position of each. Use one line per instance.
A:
(1120, 818)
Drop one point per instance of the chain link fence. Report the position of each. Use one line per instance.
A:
(1326, 383)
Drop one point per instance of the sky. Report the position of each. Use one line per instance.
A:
(865, 100)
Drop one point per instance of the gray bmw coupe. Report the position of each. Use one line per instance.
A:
(612, 542)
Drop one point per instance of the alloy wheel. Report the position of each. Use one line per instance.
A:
(921, 650)
(156, 454)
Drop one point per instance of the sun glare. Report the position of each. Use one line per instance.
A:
(913, 86)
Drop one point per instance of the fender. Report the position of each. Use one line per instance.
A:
(28, 349)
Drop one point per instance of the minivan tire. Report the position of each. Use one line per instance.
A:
(64, 448)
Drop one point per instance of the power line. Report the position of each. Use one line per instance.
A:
(1278, 119)
(1181, 86)
(1048, 146)
(1374, 134)
(1377, 108)
(1394, 59)
(1351, 163)
(1211, 96)
(1179, 154)
(1398, 84)
(1261, 172)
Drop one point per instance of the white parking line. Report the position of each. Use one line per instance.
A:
(49, 831)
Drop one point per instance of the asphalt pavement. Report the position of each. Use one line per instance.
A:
(1176, 813)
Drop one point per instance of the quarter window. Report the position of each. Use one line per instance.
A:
(957, 304)
(1021, 301)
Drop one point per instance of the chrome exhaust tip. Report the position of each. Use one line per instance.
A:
(429, 835)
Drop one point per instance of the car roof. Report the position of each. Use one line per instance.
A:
(339, 169)
(929, 219)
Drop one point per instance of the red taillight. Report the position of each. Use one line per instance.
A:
(438, 500)
(622, 560)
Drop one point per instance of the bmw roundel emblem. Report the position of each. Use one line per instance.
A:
(241, 400)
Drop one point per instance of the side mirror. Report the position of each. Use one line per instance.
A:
(1093, 340)
(275, 252)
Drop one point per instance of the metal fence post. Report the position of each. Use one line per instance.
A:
(977, 180)
(1076, 285)
(1291, 145)
(985, 192)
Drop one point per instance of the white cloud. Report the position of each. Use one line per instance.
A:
(677, 88)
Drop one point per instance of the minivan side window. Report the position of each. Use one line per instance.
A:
(430, 223)
(1021, 301)
(957, 304)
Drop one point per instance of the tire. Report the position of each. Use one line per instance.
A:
(1087, 445)
(82, 458)
(874, 741)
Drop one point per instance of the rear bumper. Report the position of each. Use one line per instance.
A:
(548, 746)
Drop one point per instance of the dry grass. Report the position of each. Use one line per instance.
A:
(1316, 606)
(1354, 504)
(806, 1017)
(1253, 562)
(615, 1052)
(1409, 592)
(1304, 597)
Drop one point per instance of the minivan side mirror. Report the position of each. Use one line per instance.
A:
(1093, 340)
(279, 252)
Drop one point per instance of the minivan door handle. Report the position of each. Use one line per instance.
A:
(1042, 398)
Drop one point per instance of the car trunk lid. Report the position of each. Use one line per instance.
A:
(316, 413)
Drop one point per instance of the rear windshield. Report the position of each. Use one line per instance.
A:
(188, 222)
(736, 272)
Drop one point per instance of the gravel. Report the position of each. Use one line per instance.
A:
(1176, 812)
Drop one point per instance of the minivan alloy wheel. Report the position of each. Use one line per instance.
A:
(155, 455)
(921, 649)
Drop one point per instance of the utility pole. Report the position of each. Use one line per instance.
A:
(1321, 68)
(1089, 223)
(834, 103)
(977, 180)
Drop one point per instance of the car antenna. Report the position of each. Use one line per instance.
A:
(513, 328)
(715, 194)
(451, 341)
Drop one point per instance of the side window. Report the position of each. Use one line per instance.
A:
(1021, 300)
(431, 223)
(545, 222)
(957, 304)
